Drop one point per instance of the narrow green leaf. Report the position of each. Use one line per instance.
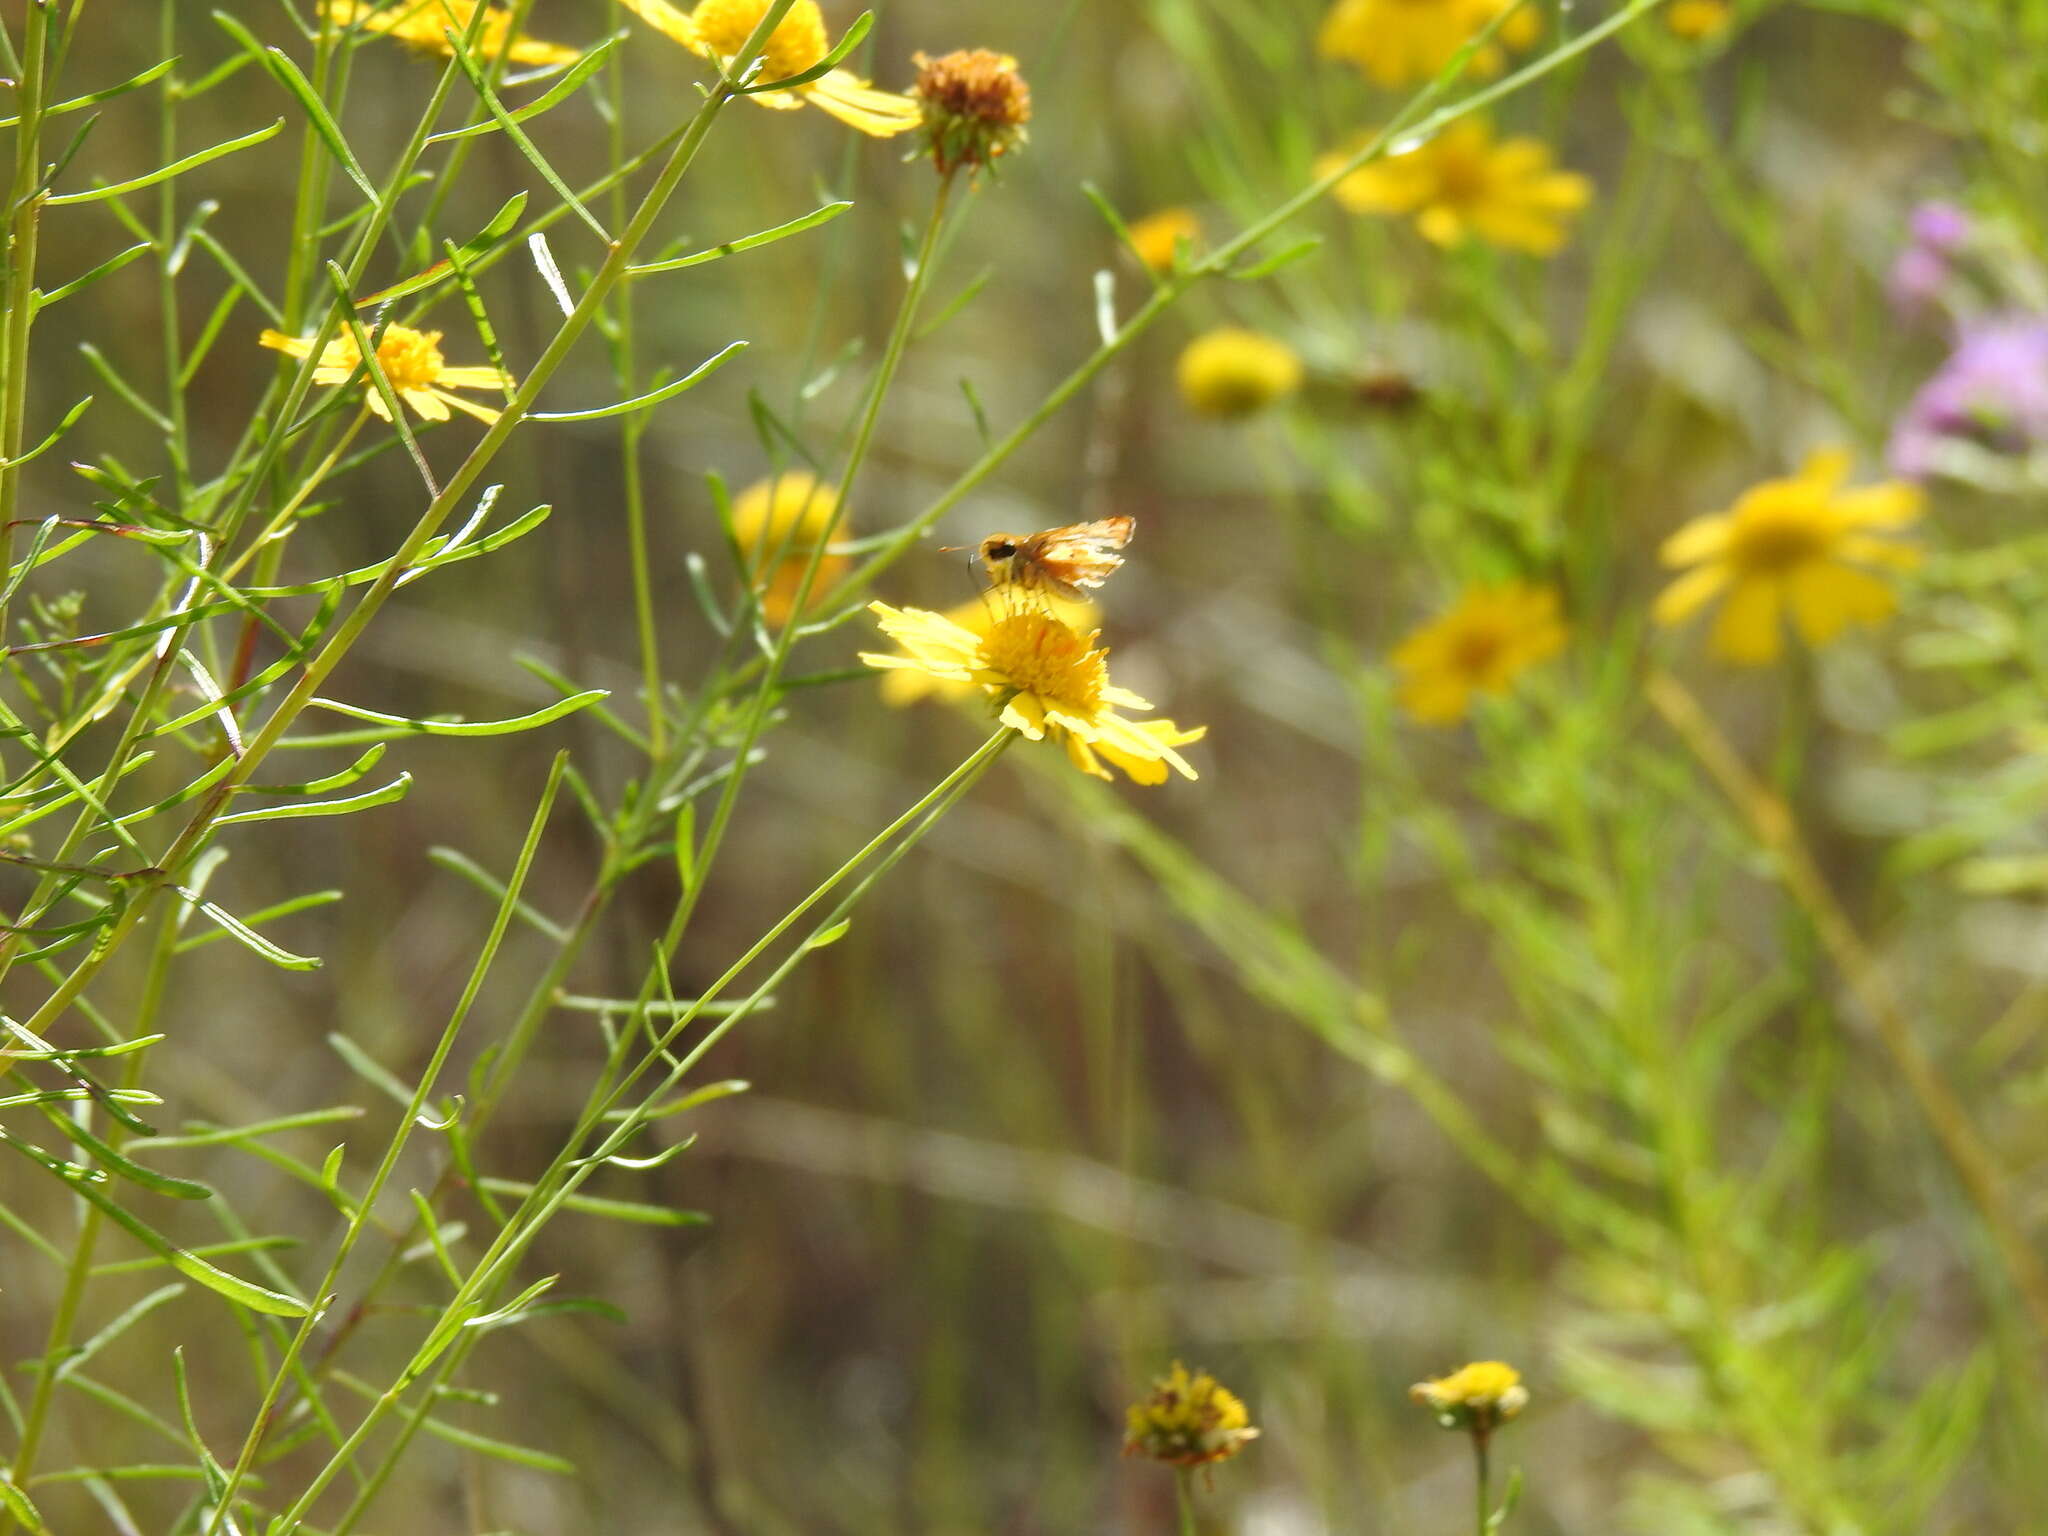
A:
(618, 1210)
(688, 381)
(1283, 258)
(555, 95)
(512, 131)
(796, 226)
(366, 1067)
(42, 301)
(165, 173)
(249, 938)
(852, 40)
(114, 1161)
(831, 935)
(133, 82)
(202, 1135)
(501, 224)
(400, 726)
(346, 806)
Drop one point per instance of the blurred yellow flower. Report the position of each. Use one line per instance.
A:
(1698, 20)
(1046, 679)
(777, 523)
(1802, 544)
(1399, 42)
(975, 106)
(1231, 371)
(423, 24)
(1157, 237)
(1488, 638)
(1187, 1421)
(718, 30)
(907, 685)
(410, 360)
(1462, 183)
(1479, 1397)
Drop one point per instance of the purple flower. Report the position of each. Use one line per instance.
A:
(1939, 231)
(1940, 227)
(1992, 391)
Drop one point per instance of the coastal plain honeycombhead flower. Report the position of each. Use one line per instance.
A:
(1158, 237)
(1479, 1397)
(411, 361)
(1045, 679)
(1189, 1419)
(1487, 639)
(974, 106)
(719, 29)
(777, 523)
(1401, 42)
(1231, 371)
(1698, 20)
(907, 685)
(1803, 546)
(1461, 184)
(425, 24)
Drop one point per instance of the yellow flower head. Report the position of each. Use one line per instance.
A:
(975, 106)
(1045, 679)
(719, 29)
(1399, 42)
(1461, 183)
(777, 523)
(1234, 372)
(1157, 237)
(1479, 1397)
(1803, 545)
(1698, 20)
(1188, 1421)
(1487, 639)
(410, 360)
(907, 685)
(423, 24)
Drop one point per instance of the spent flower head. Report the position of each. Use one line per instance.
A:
(425, 24)
(1802, 545)
(718, 30)
(1479, 1397)
(974, 107)
(1461, 183)
(1231, 371)
(1044, 678)
(1189, 1419)
(1403, 42)
(410, 361)
(1487, 639)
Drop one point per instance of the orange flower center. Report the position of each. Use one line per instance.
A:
(1476, 648)
(1035, 653)
(1462, 177)
(795, 45)
(410, 359)
(1770, 539)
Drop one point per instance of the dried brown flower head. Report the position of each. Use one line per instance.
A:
(975, 107)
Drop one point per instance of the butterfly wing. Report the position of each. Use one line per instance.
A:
(1081, 555)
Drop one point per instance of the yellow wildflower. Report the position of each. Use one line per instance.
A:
(1480, 1397)
(1231, 371)
(1698, 20)
(410, 360)
(907, 685)
(1802, 544)
(975, 106)
(1046, 679)
(1487, 639)
(1189, 1420)
(424, 24)
(1462, 183)
(718, 29)
(1398, 42)
(1157, 237)
(777, 523)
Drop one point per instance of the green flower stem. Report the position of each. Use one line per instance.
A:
(24, 209)
(1481, 1442)
(1184, 1498)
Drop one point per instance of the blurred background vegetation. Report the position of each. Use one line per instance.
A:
(1380, 1048)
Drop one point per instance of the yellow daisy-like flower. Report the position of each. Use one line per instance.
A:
(1046, 679)
(1698, 20)
(1189, 1420)
(1461, 183)
(1157, 237)
(1803, 545)
(1489, 637)
(1399, 42)
(423, 24)
(1231, 371)
(718, 30)
(777, 524)
(907, 685)
(1479, 1397)
(411, 361)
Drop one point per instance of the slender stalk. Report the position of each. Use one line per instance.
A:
(1481, 1445)
(1184, 1499)
(24, 211)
